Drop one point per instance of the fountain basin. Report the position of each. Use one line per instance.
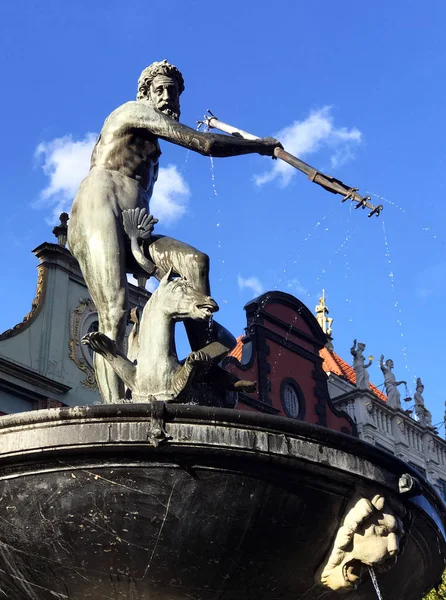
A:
(229, 505)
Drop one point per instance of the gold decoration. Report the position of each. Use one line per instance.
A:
(36, 306)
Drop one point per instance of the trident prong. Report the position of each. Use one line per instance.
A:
(362, 203)
(376, 211)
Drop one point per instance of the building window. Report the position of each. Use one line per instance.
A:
(292, 399)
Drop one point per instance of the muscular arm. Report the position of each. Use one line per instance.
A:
(141, 115)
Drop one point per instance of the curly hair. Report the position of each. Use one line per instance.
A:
(158, 68)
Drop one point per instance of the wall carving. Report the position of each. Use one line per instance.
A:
(369, 537)
(82, 321)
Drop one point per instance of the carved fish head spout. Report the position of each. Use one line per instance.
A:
(180, 301)
(369, 537)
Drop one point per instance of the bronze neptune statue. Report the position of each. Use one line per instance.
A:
(124, 170)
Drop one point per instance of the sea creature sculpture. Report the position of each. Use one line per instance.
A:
(156, 373)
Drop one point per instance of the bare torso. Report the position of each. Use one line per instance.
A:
(129, 150)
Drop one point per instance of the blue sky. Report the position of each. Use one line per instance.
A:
(356, 89)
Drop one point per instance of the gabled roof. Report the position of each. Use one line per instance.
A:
(237, 351)
(333, 363)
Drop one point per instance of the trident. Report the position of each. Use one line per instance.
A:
(331, 184)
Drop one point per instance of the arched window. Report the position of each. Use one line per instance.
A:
(292, 399)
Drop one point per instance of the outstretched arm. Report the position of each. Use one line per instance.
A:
(141, 115)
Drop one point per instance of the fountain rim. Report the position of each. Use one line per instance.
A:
(186, 419)
(190, 414)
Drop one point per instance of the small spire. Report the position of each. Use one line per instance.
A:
(60, 231)
(325, 322)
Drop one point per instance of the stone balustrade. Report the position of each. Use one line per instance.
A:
(397, 432)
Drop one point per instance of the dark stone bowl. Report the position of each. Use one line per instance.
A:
(233, 505)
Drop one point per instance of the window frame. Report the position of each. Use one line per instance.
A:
(289, 381)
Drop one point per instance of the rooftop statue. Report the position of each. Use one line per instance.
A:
(423, 414)
(391, 385)
(124, 170)
(322, 311)
(362, 376)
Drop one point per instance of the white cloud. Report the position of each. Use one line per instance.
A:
(151, 284)
(296, 287)
(309, 136)
(66, 162)
(252, 283)
(170, 196)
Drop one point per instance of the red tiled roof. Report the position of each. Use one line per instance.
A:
(333, 363)
(237, 351)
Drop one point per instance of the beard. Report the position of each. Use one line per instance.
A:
(173, 113)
